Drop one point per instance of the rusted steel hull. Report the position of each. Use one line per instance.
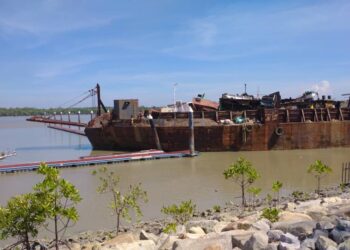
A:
(295, 135)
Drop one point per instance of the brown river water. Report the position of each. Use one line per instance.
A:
(167, 181)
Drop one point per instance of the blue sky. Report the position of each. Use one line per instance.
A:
(51, 51)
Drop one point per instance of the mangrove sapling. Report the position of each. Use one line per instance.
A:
(319, 170)
(59, 198)
(254, 191)
(217, 208)
(243, 173)
(271, 213)
(180, 214)
(21, 219)
(276, 187)
(121, 203)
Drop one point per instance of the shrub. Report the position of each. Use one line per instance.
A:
(272, 214)
(180, 213)
(243, 173)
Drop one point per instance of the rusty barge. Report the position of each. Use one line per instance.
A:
(262, 129)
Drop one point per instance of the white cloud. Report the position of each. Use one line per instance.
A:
(322, 88)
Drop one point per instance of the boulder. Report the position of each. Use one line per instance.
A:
(262, 225)
(120, 239)
(301, 229)
(141, 244)
(345, 245)
(317, 233)
(239, 237)
(324, 243)
(331, 200)
(193, 236)
(230, 226)
(258, 240)
(290, 216)
(287, 246)
(214, 242)
(222, 226)
(196, 230)
(324, 225)
(206, 225)
(274, 235)
(339, 236)
(148, 236)
(272, 246)
(229, 217)
(180, 229)
(316, 213)
(165, 241)
(343, 225)
(308, 243)
(289, 238)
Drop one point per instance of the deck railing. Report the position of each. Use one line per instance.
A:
(266, 115)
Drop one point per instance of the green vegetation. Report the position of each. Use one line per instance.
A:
(21, 218)
(272, 214)
(40, 111)
(254, 191)
(179, 213)
(216, 208)
(121, 203)
(243, 173)
(276, 187)
(58, 198)
(319, 170)
(54, 198)
(28, 111)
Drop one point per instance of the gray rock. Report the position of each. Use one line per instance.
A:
(308, 243)
(258, 240)
(343, 225)
(274, 235)
(141, 244)
(345, 245)
(339, 236)
(196, 230)
(324, 243)
(206, 225)
(287, 246)
(148, 236)
(318, 233)
(262, 225)
(239, 237)
(300, 229)
(215, 241)
(272, 246)
(180, 229)
(165, 241)
(289, 238)
(324, 225)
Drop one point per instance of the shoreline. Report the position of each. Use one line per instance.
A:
(304, 222)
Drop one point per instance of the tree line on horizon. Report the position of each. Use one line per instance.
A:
(30, 111)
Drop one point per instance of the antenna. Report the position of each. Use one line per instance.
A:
(245, 88)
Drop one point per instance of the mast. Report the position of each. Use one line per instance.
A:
(99, 101)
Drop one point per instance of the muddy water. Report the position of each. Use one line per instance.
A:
(166, 181)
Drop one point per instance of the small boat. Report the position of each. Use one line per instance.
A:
(4, 155)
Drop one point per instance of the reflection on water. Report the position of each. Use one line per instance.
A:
(166, 181)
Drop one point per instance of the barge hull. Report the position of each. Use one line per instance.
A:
(295, 135)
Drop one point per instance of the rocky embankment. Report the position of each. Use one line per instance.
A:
(320, 223)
